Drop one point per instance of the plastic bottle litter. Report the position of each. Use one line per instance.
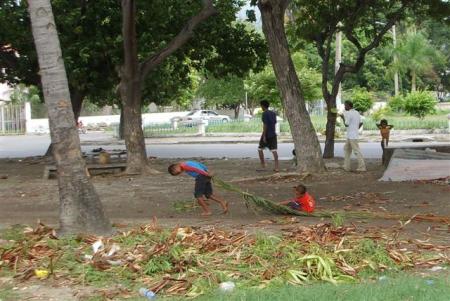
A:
(382, 278)
(98, 246)
(429, 282)
(227, 287)
(150, 295)
(437, 268)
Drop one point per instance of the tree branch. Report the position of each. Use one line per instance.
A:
(326, 66)
(129, 37)
(179, 40)
(362, 51)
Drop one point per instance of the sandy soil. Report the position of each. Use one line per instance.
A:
(27, 197)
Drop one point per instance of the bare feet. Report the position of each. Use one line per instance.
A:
(225, 208)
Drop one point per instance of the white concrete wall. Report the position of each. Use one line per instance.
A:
(36, 126)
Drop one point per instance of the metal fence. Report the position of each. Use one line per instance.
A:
(12, 119)
(255, 126)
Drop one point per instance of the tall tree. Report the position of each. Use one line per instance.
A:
(363, 23)
(224, 92)
(305, 138)
(80, 206)
(416, 55)
(133, 74)
(263, 85)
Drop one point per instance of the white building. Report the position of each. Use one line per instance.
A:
(5, 92)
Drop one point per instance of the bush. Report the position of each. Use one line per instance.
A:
(380, 113)
(397, 104)
(420, 103)
(362, 100)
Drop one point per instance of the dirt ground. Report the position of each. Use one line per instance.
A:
(26, 197)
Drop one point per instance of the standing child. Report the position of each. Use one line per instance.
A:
(385, 130)
(203, 187)
(303, 200)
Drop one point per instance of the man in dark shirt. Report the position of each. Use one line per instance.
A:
(269, 136)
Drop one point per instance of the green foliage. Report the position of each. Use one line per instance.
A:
(420, 103)
(380, 113)
(158, 264)
(7, 293)
(398, 287)
(370, 251)
(227, 91)
(338, 220)
(182, 206)
(397, 104)
(13, 233)
(416, 55)
(362, 99)
(263, 85)
(22, 94)
(93, 57)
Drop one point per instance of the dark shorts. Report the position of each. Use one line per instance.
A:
(203, 186)
(271, 143)
(294, 205)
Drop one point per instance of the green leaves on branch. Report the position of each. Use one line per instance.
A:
(263, 85)
(362, 99)
(226, 91)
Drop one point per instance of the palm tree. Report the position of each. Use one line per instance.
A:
(80, 206)
(416, 56)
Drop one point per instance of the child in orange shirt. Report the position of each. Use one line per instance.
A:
(385, 130)
(303, 200)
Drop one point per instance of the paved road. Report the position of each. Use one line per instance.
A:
(33, 145)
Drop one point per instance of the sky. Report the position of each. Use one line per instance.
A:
(242, 14)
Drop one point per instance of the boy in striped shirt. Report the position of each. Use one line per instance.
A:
(203, 187)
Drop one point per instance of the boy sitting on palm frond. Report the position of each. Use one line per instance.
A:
(303, 200)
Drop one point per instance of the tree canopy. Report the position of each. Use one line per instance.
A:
(91, 37)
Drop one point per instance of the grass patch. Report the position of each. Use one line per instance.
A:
(404, 287)
(182, 206)
(7, 294)
(15, 233)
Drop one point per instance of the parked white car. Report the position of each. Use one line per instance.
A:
(199, 115)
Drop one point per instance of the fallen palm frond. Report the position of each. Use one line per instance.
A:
(252, 200)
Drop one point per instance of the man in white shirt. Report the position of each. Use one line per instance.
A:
(352, 121)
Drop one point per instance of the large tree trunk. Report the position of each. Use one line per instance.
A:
(413, 81)
(309, 155)
(133, 74)
(80, 207)
(76, 98)
(130, 93)
(330, 130)
(137, 161)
